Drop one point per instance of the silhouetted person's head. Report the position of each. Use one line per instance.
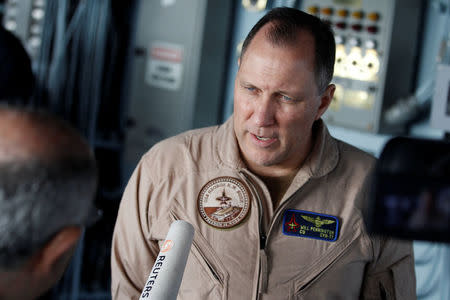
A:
(48, 180)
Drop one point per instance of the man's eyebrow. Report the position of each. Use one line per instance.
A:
(246, 83)
(296, 95)
(284, 92)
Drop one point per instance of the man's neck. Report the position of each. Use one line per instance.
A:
(278, 186)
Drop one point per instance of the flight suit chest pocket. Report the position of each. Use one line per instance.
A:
(204, 277)
(338, 276)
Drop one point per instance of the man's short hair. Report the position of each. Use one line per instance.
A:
(286, 23)
(39, 197)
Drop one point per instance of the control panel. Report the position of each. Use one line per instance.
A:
(376, 43)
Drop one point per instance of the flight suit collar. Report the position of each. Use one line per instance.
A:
(227, 148)
(324, 155)
(322, 159)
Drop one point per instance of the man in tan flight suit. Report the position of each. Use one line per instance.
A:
(276, 202)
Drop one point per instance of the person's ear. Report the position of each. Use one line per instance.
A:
(325, 100)
(56, 254)
(239, 62)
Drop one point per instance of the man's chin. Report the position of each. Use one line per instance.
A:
(264, 162)
(260, 157)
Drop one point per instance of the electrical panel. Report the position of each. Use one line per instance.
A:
(177, 70)
(25, 18)
(376, 53)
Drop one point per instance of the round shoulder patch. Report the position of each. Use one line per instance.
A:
(224, 202)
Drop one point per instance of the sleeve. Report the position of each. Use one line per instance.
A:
(133, 253)
(391, 275)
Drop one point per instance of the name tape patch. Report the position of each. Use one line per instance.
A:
(310, 225)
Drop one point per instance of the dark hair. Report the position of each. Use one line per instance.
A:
(286, 23)
(16, 75)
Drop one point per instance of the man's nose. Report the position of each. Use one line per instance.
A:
(264, 113)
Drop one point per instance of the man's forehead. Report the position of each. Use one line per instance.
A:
(302, 41)
(263, 52)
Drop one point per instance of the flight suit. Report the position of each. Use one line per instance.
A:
(314, 245)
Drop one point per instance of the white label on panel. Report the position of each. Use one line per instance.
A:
(164, 65)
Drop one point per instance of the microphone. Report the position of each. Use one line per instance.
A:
(167, 272)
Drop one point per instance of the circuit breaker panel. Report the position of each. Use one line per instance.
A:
(376, 52)
(177, 70)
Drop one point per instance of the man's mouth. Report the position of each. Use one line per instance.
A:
(262, 138)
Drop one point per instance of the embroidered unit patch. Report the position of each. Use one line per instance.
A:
(224, 202)
(310, 225)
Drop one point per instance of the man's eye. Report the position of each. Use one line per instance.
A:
(286, 98)
(250, 89)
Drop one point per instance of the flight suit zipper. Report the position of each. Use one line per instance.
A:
(263, 237)
(263, 267)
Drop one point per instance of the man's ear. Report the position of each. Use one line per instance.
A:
(57, 252)
(325, 100)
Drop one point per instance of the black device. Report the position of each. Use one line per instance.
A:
(410, 196)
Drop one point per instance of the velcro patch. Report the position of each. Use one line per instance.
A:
(310, 225)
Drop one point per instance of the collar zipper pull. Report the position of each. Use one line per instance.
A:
(262, 241)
